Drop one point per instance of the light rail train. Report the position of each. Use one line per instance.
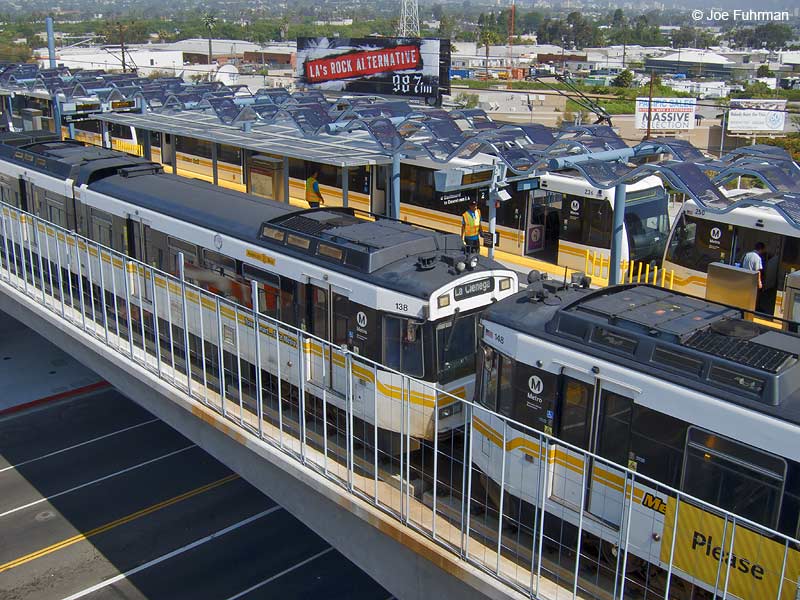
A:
(700, 237)
(398, 294)
(672, 387)
(562, 222)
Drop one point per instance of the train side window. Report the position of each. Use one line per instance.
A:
(292, 299)
(576, 404)
(613, 440)
(101, 231)
(696, 243)
(489, 377)
(319, 312)
(733, 476)
(505, 392)
(597, 229)
(402, 345)
(657, 442)
(269, 288)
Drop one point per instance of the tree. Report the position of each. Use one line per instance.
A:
(764, 71)
(487, 37)
(210, 22)
(624, 79)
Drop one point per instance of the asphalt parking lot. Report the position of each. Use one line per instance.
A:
(100, 500)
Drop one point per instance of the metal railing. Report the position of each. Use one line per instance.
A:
(596, 265)
(545, 517)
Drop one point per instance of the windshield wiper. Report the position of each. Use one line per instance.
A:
(452, 329)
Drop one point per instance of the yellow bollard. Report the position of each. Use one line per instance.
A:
(586, 263)
(639, 274)
(630, 272)
(663, 276)
(655, 275)
(671, 279)
(647, 273)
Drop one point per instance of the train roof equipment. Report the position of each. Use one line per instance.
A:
(704, 345)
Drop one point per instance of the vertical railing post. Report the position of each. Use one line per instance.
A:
(543, 512)
(172, 329)
(39, 256)
(156, 326)
(20, 224)
(126, 266)
(80, 279)
(719, 563)
(348, 361)
(375, 457)
(468, 494)
(185, 306)
(536, 521)
(730, 554)
(90, 279)
(114, 295)
(60, 277)
(407, 401)
(201, 313)
(502, 496)
(280, 383)
(259, 393)
(49, 262)
(585, 485)
(324, 410)
(466, 469)
(5, 244)
(627, 535)
(238, 363)
(14, 246)
(779, 595)
(301, 392)
(672, 546)
(142, 284)
(435, 458)
(220, 357)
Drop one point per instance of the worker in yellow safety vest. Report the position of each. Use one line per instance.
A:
(471, 227)
(313, 197)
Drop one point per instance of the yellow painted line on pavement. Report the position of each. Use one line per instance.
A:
(116, 523)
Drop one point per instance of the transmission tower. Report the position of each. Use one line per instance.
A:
(409, 19)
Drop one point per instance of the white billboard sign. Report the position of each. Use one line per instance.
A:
(672, 114)
(757, 114)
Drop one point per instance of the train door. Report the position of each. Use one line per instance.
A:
(543, 225)
(378, 189)
(318, 319)
(772, 276)
(594, 415)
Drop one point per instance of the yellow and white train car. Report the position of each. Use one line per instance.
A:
(599, 407)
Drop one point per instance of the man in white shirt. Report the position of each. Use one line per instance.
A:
(754, 261)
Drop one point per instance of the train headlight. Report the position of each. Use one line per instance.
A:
(473, 262)
(443, 301)
(460, 266)
(505, 283)
(450, 410)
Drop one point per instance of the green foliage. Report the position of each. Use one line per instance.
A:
(466, 100)
(770, 35)
(791, 143)
(764, 71)
(690, 37)
(624, 79)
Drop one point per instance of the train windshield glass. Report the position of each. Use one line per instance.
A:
(647, 224)
(455, 348)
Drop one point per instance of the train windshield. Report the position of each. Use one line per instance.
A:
(455, 347)
(647, 224)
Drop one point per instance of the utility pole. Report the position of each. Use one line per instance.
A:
(650, 104)
(511, 43)
(122, 43)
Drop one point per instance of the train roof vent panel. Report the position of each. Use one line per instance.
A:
(743, 352)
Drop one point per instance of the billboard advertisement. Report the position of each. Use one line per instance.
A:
(672, 114)
(757, 115)
(411, 67)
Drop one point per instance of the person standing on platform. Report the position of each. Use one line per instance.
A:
(313, 195)
(754, 261)
(471, 228)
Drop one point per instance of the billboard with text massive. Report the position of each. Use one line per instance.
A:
(382, 66)
(672, 114)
